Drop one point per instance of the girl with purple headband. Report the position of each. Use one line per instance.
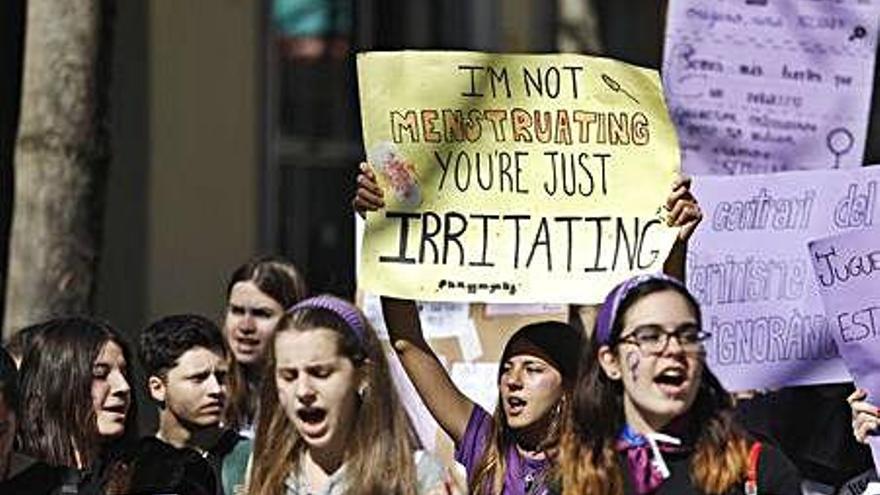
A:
(513, 451)
(649, 417)
(332, 423)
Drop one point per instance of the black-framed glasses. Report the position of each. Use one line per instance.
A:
(654, 338)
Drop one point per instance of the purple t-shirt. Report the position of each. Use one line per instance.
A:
(523, 476)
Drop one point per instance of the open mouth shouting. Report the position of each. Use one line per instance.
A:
(312, 421)
(515, 406)
(672, 381)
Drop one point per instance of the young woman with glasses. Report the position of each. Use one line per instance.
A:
(648, 415)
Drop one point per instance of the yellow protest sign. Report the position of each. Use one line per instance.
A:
(513, 178)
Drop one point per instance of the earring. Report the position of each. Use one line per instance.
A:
(362, 391)
(614, 375)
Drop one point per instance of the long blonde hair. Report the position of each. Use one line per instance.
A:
(379, 453)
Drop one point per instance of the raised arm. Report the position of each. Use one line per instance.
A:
(684, 212)
(451, 408)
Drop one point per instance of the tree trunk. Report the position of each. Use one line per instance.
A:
(61, 161)
(12, 17)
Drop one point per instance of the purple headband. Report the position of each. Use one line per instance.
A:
(608, 312)
(343, 309)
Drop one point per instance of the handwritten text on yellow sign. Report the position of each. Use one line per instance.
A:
(513, 178)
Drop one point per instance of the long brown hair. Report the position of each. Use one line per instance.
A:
(279, 279)
(559, 342)
(488, 477)
(379, 453)
(58, 416)
(589, 459)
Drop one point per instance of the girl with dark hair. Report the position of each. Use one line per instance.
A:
(509, 451)
(20, 474)
(331, 420)
(77, 408)
(648, 416)
(257, 295)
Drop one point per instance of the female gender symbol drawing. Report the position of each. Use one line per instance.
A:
(839, 142)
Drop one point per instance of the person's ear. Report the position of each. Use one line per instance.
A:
(156, 387)
(609, 362)
(364, 378)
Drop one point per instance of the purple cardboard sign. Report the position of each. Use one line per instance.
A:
(760, 86)
(747, 266)
(847, 269)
